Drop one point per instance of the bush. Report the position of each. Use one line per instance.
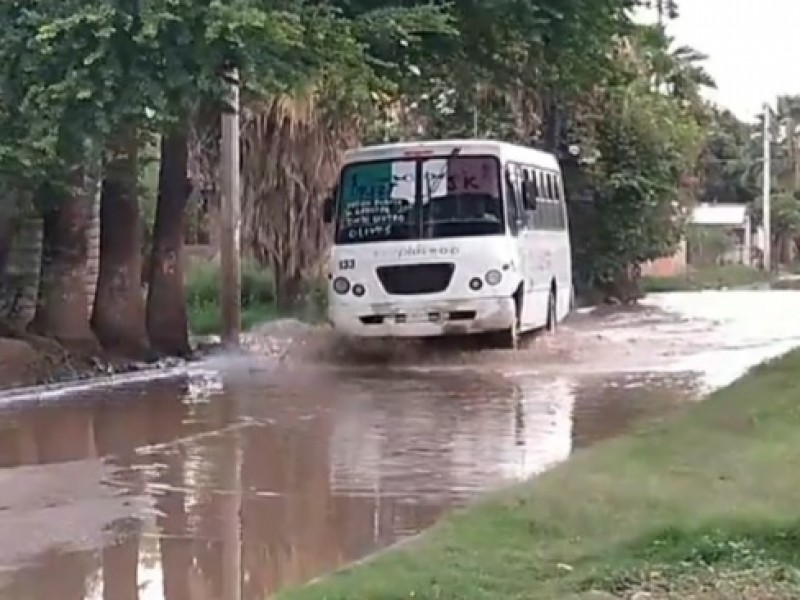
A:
(203, 285)
(258, 302)
(711, 278)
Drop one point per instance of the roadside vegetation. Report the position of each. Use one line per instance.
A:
(708, 278)
(258, 299)
(701, 506)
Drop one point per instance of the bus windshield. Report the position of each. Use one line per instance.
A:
(420, 198)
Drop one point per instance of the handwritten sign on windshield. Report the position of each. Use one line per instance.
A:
(473, 175)
(375, 197)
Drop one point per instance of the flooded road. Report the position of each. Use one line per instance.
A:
(252, 474)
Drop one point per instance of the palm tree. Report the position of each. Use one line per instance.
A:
(788, 119)
(678, 72)
(666, 9)
(687, 76)
(292, 150)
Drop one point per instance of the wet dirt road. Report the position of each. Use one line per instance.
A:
(250, 475)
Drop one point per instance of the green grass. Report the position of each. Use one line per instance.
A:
(710, 278)
(257, 299)
(207, 319)
(704, 505)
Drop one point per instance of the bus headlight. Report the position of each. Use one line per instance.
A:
(475, 284)
(493, 277)
(358, 290)
(341, 285)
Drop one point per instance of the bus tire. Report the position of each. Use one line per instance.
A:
(506, 339)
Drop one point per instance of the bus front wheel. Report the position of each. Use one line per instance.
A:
(505, 339)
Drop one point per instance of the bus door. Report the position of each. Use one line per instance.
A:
(515, 216)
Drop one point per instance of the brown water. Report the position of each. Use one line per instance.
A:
(246, 476)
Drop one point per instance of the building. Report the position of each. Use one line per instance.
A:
(717, 234)
(732, 220)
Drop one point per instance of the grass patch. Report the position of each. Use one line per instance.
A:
(257, 299)
(701, 506)
(206, 319)
(710, 278)
(786, 284)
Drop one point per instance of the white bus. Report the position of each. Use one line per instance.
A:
(445, 238)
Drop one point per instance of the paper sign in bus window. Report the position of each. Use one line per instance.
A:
(375, 197)
(473, 175)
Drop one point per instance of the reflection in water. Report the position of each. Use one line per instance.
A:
(605, 405)
(269, 484)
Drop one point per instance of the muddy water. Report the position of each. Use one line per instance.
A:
(252, 474)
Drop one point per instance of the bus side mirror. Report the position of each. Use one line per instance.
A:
(329, 205)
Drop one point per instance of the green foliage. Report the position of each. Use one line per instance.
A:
(707, 244)
(72, 72)
(645, 143)
(709, 278)
(729, 166)
(786, 214)
(203, 297)
(544, 72)
(257, 298)
(203, 285)
(512, 59)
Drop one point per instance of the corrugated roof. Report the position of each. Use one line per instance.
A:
(719, 214)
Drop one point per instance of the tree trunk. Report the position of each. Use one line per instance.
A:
(93, 236)
(626, 287)
(20, 285)
(8, 215)
(167, 323)
(288, 291)
(119, 311)
(61, 309)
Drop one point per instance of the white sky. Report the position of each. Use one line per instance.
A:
(753, 48)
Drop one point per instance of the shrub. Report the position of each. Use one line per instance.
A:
(203, 285)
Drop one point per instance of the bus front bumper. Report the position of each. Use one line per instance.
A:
(424, 319)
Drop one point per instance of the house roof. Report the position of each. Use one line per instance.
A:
(719, 214)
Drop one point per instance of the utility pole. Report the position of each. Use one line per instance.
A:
(231, 216)
(767, 190)
(475, 115)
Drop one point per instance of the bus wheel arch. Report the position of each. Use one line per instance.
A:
(518, 296)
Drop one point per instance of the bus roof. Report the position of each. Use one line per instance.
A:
(445, 147)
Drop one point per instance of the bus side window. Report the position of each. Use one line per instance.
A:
(562, 204)
(557, 188)
(558, 203)
(554, 204)
(530, 197)
(513, 193)
(540, 217)
(551, 190)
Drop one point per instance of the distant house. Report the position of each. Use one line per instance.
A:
(733, 220)
(718, 233)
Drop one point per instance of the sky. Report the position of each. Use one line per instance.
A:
(753, 48)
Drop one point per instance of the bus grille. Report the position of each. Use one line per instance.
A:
(428, 278)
